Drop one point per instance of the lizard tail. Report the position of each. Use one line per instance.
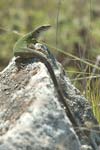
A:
(36, 33)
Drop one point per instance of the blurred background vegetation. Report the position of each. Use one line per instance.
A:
(75, 32)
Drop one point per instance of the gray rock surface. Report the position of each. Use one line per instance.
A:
(31, 116)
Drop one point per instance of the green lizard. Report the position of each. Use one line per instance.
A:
(22, 50)
(29, 40)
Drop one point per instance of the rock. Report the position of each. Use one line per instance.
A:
(31, 116)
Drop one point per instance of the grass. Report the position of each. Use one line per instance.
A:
(93, 95)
